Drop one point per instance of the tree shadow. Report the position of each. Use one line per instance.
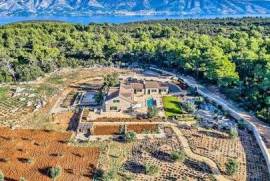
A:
(198, 166)
(134, 167)
(73, 123)
(9, 179)
(172, 110)
(23, 160)
(44, 171)
(5, 138)
(162, 156)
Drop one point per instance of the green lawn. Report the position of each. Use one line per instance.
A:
(171, 106)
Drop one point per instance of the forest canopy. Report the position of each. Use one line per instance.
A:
(234, 54)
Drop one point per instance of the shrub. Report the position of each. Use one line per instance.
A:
(54, 172)
(130, 136)
(233, 133)
(178, 156)
(2, 177)
(152, 112)
(242, 124)
(99, 174)
(29, 160)
(22, 179)
(231, 167)
(110, 175)
(151, 169)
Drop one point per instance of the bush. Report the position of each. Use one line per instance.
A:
(22, 179)
(233, 133)
(152, 112)
(99, 174)
(242, 124)
(178, 156)
(54, 172)
(231, 167)
(151, 169)
(110, 175)
(2, 177)
(130, 136)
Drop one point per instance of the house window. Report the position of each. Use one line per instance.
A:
(113, 108)
(163, 90)
(116, 101)
(154, 90)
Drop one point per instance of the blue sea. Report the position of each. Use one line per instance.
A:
(108, 19)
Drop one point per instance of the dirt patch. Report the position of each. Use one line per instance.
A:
(143, 128)
(28, 153)
(106, 130)
(115, 129)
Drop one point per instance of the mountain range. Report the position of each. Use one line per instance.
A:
(132, 7)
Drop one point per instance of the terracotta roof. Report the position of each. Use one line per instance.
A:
(124, 92)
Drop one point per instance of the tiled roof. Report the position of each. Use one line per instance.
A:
(151, 84)
(137, 86)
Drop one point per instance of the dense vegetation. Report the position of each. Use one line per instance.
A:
(233, 54)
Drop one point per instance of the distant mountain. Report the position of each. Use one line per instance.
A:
(132, 7)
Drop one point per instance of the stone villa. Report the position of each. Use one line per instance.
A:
(132, 94)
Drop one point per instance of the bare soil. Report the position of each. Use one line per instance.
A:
(29, 153)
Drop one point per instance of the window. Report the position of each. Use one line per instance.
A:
(154, 90)
(163, 90)
(116, 101)
(113, 108)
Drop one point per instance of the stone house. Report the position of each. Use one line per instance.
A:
(118, 99)
(122, 98)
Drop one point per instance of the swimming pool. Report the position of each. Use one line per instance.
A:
(150, 103)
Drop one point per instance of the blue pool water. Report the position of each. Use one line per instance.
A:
(150, 103)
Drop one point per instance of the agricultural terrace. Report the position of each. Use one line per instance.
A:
(171, 106)
(30, 153)
(219, 147)
(29, 104)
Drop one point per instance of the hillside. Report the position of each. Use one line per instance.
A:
(233, 54)
(132, 7)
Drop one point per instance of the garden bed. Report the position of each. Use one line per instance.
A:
(143, 128)
(115, 129)
(106, 130)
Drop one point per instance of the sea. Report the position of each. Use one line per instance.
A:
(85, 20)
